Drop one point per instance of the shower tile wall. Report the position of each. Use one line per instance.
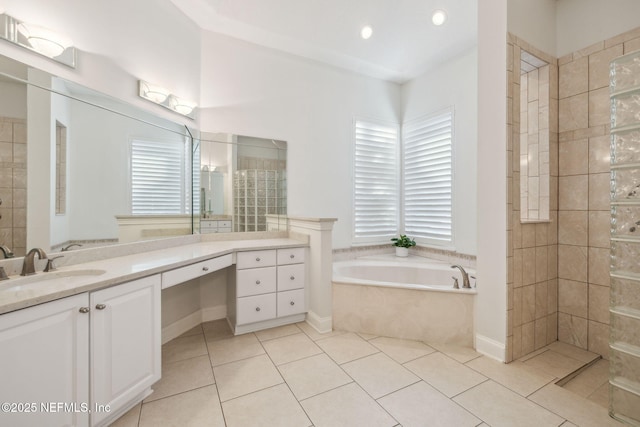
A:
(584, 212)
(532, 278)
(13, 184)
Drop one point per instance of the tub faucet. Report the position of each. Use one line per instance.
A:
(6, 251)
(68, 247)
(28, 267)
(465, 276)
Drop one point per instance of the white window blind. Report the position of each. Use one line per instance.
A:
(376, 190)
(159, 177)
(428, 177)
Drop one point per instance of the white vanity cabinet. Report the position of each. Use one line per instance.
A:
(208, 226)
(267, 289)
(81, 353)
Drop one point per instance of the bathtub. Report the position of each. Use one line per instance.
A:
(409, 298)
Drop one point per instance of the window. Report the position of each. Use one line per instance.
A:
(376, 195)
(160, 175)
(428, 177)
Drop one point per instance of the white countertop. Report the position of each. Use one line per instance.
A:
(19, 292)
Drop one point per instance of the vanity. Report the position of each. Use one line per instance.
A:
(82, 344)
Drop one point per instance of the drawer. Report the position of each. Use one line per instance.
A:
(224, 224)
(253, 259)
(290, 277)
(291, 302)
(182, 274)
(224, 229)
(290, 256)
(255, 308)
(255, 281)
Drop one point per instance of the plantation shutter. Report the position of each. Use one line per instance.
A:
(428, 177)
(158, 178)
(376, 189)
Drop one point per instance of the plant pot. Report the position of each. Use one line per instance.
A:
(402, 251)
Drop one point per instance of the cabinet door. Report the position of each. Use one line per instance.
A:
(44, 360)
(125, 343)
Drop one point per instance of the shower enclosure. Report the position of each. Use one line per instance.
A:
(625, 240)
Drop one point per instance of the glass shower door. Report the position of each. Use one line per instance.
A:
(624, 380)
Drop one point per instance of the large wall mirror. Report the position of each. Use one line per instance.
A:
(80, 169)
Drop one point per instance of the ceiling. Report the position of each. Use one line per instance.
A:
(404, 44)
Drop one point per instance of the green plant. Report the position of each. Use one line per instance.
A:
(403, 241)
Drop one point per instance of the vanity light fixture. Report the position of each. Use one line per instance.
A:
(366, 32)
(38, 39)
(439, 17)
(166, 99)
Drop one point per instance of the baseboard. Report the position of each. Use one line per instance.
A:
(214, 313)
(320, 324)
(181, 326)
(490, 348)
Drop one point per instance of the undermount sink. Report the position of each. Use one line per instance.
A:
(18, 282)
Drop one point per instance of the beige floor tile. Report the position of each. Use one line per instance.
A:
(601, 395)
(181, 376)
(273, 406)
(130, 418)
(568, 424)
(573, 351)
(290, 348)
(401, 351)
(516, 376)
(572, 407)
(498, 406)
(409, 406)
(460, 353)
(196, 330)
(217, 330)
(183, 348)
(245, 376)
(315, 335)
(367, 336)
(280, 331)
(313, 375)
(346, 347)
(194, 408)
(554, 363)
(589, 380)
(379, 375)
(233, 349)
(348, 405)
(445, 374)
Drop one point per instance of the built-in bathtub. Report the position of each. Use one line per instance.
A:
(411, 298)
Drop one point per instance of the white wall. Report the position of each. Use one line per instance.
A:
(13, 102)
(454, 84)
(581, 23)
(249, 90)
(535, 22)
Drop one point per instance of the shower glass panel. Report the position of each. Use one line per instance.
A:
(624, 379)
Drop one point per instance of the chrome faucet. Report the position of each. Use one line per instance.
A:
(465, 276)
(28, 267)
(6, 251)
(68, 247)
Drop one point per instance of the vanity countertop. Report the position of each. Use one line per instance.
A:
(19, 292)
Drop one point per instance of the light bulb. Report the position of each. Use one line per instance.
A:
(439, 17)
(366, 32)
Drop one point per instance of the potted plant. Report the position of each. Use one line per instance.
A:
(402, 244)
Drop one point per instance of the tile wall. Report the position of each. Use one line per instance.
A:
(532, 275)
(584, 212)
(13, 184)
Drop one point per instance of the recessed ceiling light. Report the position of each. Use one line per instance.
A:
(366, 32)
(439, 17)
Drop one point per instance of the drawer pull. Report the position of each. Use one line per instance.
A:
(258, 259)
(292, 278)
(101, 306)
(292, 303)
(205, 268)
(292, 256)
(257, 282)
(257, 308)
(84, 310)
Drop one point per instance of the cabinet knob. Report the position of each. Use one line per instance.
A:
(292, 303)
(257, 282)
(257, 308)
(292, 256)
(101, 306)
(258, 259)
(292, 278)
(84, 310)
(205, 268)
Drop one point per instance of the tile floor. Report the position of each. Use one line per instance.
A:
(294, 376)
